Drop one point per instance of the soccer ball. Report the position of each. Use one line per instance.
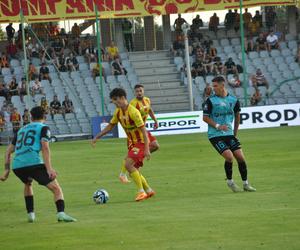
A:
(101, 196)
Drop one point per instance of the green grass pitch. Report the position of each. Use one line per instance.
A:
(193, 208)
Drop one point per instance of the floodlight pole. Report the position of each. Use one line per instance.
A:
(243, 52)
(99, 59)
(188, 66)
(25, 60)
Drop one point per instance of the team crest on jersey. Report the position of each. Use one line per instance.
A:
(135, 150)
(222, 104)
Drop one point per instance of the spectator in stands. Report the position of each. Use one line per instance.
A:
(36, 88)
(55, 107)
(256, 97)
(76, 46)
(4, 61)
(270, 18)
(58, 47)
(229, 20)
(247, 18)
(4, 91)
(235, 82)
(197, 22)
(44, 73)
(249, 45)
(214, 22)
(127, 33)
(297, 57)
(12, 50)
(13, 87)
(230, 67)
(236, 25)
(178, 25)
(253, 28)
(33, 49)
(2, 122)
(10, 32)
(257, 19)
(261, 43)
(72, 63)
(44, 104)
(178, 47)
(75, 31)
(112, 51)
(198, 69)
(22, 89)
(218, 66)
(199, 54)
(272, 41)
(15, 119)
(68, 105)
(26, 117)
(61, 64)
(32, 72)
(118, 68)
(208, 64)
(259, 80)
(96, 71)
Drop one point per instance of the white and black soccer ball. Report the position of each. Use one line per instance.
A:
(101, 196)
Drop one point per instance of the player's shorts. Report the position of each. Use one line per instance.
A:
(136, 153)
(222, 143)
(151, 137)
(36, 172)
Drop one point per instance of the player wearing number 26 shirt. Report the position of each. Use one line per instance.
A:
(28, 165)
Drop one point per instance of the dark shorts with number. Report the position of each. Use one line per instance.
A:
(30, 173)
(222, 143)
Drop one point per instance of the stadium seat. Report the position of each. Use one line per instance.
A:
(294, 66)
(14, 63)
(286, 52)
(272, 68)
(253, 55)
(267, 61)
(178, 60)
(264, 54)
(224, 42)
(235, 41)
(83, 66)
(283, 67)
(228, 49)
(289, 37)
(275, 53)
(292, 44)
(6, 71)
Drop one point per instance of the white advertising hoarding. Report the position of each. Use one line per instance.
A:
(251, 117)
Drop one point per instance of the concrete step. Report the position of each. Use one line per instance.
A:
(163, 62)
(149, 54)
(161, 85)
(166, 91)
(159, 78)
(161, 100)
(171, 107)
(156, 70)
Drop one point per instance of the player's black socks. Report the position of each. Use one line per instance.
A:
(29, 203)
(243, 170)
(60, 205)
(228, 170)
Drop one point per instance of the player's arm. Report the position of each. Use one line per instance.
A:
(8, 153)
(207, 110)
(151, 113)
(146, 141)
(237, 118)
(106, 130)
(45, 138)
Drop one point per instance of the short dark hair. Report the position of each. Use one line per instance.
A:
(138, 86)
(37, 113)
(218, 79)
(117, 92)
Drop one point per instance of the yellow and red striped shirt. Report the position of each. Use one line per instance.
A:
(144, 106)
(131, 121)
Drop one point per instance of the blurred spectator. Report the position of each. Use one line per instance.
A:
(259, 80)
(272, 41)
(72, 63)
(178, 25)
(26, 117)
(4, 91)
(22, 89)
(33, 49)
(256, 97)
(61, 64)
(253, 28)
(270, 18)
(36, 88)
(235, 82)
(197, 22)
(44, 73)
(32, 72)
(249, 45)
(218, 66)
(44, 104)
(214, 22)
(96, 71)
(178, 47)
(68, 105)
(236, 25)
(76, 46)
(230, 67)
(15, 119)
(229, 20)
(13, 87)
(58, 47)
(206, 44)
(199, 54)
(10, 32)
(12, 50)
(75, 31)
(297, 57)
(127, 32)
(112, 51)
(118, 68)
(198, 69)
(2, 122)
(247, 18)
(257, 19)
(55, 107)
(261, 43)
(208, 64)
(4, 61)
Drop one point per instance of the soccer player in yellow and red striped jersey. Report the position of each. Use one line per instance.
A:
(137, 140)
(143, 104)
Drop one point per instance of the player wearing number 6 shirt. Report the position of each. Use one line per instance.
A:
(143, 105)
(219, 112)
(28, 164)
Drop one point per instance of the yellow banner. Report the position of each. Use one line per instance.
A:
(54, 10)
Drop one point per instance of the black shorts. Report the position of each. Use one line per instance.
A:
(36, 172)
(222, 143)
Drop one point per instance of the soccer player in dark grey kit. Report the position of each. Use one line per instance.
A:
(219, 112)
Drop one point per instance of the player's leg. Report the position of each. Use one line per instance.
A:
(150, 192)
(135, 175)
(122, 176)
(55, 188)
(239, 156)
(153, 146)
(28, 196)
